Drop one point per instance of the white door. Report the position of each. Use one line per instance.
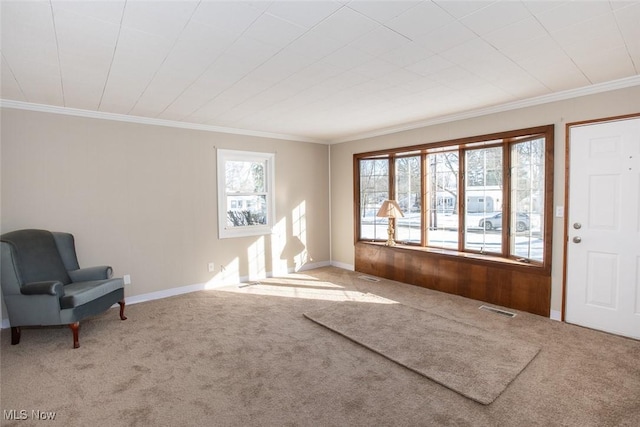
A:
(603, 249)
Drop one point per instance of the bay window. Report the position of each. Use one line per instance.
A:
(487, 196)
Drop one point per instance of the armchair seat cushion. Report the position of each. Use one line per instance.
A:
(78, 293)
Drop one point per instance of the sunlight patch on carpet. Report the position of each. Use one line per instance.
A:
(468, 360)
(307, 291)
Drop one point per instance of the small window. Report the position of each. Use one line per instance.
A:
(245, 193)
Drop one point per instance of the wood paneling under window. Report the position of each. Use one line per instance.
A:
(514, 286)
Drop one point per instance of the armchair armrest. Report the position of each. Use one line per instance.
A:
(91, 273)
(52, 287)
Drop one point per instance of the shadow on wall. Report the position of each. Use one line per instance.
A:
(294, 250)
(276, 254)
(261, 260)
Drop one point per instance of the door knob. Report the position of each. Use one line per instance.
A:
(577, 225)
(577, 239)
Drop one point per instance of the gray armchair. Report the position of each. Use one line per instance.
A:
(42, 283)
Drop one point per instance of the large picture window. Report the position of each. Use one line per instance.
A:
(245, 193)
(489, 195)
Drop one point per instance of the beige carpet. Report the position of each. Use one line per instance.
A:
(247, 357)
(469, 360)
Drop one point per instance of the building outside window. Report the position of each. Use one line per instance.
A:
(487, 195)
(245, 193)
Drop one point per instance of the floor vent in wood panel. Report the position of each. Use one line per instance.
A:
(369, 278)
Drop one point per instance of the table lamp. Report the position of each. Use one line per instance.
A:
(391, 210)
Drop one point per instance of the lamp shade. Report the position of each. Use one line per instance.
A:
(390, 209)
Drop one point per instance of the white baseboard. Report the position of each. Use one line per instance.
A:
(556, 315)
(343, 266)
(195, 288)
(168, 293)
(310, 266)
(207, 286)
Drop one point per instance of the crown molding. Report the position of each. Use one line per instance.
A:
(43, 108)
(530, 102)
(515, 105)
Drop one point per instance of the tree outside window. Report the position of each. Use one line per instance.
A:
(408, 193)
(245, 193)
(374, 184)
(488, 195)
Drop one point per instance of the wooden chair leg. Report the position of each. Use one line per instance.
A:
(15, 335)
(74, 328)
(122, 316)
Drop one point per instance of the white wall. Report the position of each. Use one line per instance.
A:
(143, 198)
(609, 104)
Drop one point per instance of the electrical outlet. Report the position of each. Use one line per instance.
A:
(211, 266)
(127, 279)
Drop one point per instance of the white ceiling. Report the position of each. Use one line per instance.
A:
(314, 70)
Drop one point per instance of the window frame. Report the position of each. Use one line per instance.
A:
(268, 159)
(504, 139)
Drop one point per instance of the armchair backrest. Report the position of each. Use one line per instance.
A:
(36, 256)
(67, 248)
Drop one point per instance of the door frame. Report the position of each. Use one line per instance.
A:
(567, 208)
